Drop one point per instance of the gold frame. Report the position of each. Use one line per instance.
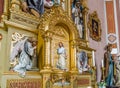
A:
(94, 26)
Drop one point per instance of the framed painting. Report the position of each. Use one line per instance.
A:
(94, 26)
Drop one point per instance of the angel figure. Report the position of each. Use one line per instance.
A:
(23, 51)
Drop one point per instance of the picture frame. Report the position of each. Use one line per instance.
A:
(94, 26)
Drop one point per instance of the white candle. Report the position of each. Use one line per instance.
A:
(93, 58)
(102, 63)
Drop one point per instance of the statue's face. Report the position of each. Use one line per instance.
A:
(77, 5)
(110, 48)
(60, 44)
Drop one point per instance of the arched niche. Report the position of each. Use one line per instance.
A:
(56, 26)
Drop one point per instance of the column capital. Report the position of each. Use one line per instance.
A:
(74, 43)
(85, 11)
(47, 36)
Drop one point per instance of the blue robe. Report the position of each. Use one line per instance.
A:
(37, 5)
(109, 78)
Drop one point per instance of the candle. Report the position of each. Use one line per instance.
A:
(102, 63)
(93, 58)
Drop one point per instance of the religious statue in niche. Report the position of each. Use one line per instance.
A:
(61, 64)
(23, 54)
(94, 26)
(63, 4)
(36, 7)
(57, 2)
(59, 80)
(77, 16)
(82, 61)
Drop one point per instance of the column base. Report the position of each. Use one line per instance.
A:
(74, 71)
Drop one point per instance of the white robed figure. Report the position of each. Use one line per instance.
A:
(61, 64)
(77, 13)
(23, 50)
(79, 62)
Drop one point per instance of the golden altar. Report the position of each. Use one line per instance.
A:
(53, 27)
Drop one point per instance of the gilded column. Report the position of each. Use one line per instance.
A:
(69, 7)
(85, 12)
(47, 56)
(103, 75)
(6, 9)
(94, 77)
(73, 57)
(15, 4)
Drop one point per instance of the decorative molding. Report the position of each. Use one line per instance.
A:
(24, 83)
(24, 19)
(116, 24)
(108, 0)
(106, 27)
(112, 38)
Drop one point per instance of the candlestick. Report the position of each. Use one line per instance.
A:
(93, 58)
(102, 63)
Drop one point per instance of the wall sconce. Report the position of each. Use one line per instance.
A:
(0, 36)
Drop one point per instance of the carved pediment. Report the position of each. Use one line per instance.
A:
(59, 31)
(57, 17)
